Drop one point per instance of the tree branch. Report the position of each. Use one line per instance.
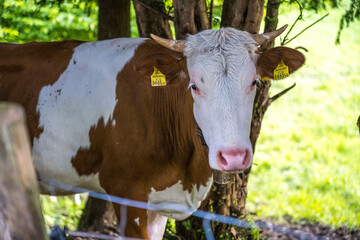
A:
(302, 48)
(272, 99)
(284, 43)
(293, 25)
(164, 15)
(211, 12)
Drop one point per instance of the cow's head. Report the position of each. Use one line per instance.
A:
(224, 68)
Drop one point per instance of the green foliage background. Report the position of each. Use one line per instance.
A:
(24, 21)
(307, 158)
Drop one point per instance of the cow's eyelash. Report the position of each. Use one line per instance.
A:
(193, 87)
(190, 85)
(257, 82)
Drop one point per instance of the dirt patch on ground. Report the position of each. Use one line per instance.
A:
(269, 231)
(308, 231)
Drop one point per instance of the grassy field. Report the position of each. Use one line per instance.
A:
(308, 154)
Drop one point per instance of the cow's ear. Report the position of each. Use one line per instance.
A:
(277, 59)
(167, 64)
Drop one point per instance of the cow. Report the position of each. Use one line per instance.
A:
(119, 116)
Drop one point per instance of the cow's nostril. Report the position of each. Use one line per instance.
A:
(223, 161)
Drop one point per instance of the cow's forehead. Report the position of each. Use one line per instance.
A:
(224, 39)
(221, 54)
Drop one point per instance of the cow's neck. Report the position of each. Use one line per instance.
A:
(178, 123)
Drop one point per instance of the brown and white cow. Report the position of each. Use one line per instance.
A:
(96, 122)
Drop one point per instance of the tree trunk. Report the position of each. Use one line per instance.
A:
(151, 18)
(98, 215)
(190, 17)
(114, 19)
(271, 20)
(242, 14)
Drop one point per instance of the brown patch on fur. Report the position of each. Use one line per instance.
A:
(11, 69)
(269, 60)
(26, 68)
(88, 161)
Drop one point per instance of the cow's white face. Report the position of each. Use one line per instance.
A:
(221, 65)
(222, 71)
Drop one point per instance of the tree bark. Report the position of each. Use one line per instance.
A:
(98, 215)
(114, 19)
(245, 15)
(190, 17)
(151, 18)
(271, 20)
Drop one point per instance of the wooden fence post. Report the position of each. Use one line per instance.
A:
(20, 210)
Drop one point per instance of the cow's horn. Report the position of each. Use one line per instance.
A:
(266, 37)
(176, 45)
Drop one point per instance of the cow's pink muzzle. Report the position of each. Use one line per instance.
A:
(233, 159)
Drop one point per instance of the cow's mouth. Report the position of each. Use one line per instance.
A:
(221, 177)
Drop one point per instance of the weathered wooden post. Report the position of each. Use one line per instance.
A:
(20, 210)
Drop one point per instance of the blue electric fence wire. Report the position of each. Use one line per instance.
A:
(207, 229)
(206, 216)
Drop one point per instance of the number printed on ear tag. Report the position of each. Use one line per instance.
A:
(281, 71)
(157, 78)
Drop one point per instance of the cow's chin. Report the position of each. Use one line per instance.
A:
(236, 171)
(226, 177)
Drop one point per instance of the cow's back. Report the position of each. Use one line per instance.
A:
(66, 88)
(26, 68)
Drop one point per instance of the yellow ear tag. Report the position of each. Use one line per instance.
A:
(157, 78)
(281, 71)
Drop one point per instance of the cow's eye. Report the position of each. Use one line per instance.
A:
(194, 88)
(256, 82)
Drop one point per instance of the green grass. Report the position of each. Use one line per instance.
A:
(63, 212)
(308, 153)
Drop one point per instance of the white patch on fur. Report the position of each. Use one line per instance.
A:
(156, 225)
(136, 220)
(84, 93)
(175, 195)
(77, 199)
(182, 75)
(220, 65)
(113, 123)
